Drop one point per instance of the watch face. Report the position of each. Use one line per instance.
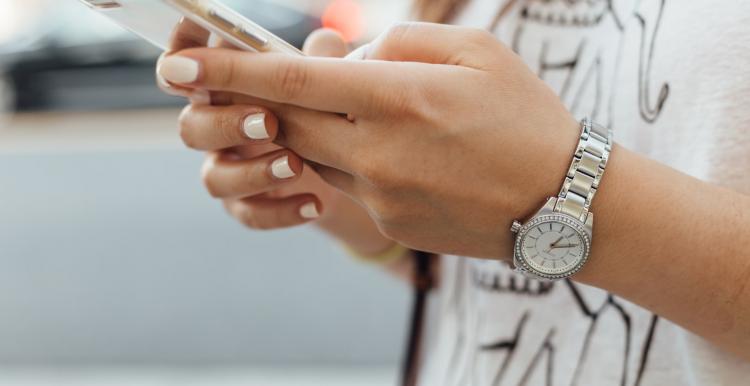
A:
(553, 246)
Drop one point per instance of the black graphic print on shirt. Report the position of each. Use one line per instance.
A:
(570, 48)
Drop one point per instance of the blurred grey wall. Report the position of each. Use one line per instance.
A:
(121, 257)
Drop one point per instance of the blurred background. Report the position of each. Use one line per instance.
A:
(116, 268)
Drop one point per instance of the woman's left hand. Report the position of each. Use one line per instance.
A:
(449, 135)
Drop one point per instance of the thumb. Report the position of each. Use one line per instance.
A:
(325, 42)
(433, 43)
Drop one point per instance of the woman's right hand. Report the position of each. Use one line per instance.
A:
(261, 184)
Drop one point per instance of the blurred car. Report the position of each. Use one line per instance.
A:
(59, 55)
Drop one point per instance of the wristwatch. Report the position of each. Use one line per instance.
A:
(555, 242)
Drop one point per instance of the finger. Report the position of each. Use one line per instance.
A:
(252, 151)
(197, 96)
(325, 42)
(186, 34)
(272, 213)
(223, 43)
(314, 135)
(364, 88)
(227, 177)
(221, 127)
(433, 43)
(325, 138)
(222, 98)
(321, 42)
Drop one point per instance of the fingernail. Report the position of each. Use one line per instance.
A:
(309, 211)
(179, 69)
(162, 82)
(254, 126)
(168, 88)
(281, 169)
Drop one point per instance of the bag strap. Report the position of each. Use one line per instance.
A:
(423, 282)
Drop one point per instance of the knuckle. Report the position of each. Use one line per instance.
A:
(478, 37)
(254, 178)
(187, 137)
(291, 78)
(228, 127)
(397, 33)
(211, 186)
(397, 104)
(185, 124)
(276, 218)
(209, 181)
(258, 220)
(248, 216)
(259, 223)
(227, 72)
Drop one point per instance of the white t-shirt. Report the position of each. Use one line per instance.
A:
(672, 77)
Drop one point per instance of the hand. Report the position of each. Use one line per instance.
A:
(262, 184)
(450, 135)
(239, 167)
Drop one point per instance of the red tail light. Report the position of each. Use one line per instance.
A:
(344, 16)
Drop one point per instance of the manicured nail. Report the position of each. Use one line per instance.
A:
(163, 82)
(309, 211)
(179, 69)
(281, 169)
(254, 126)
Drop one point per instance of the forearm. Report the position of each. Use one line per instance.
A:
(675, 245)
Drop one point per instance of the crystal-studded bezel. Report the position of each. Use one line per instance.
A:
(578, 226)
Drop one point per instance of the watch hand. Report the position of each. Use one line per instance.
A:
(553, 245)
(564, 246)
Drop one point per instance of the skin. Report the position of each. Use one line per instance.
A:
(260, 201)
(451, 137)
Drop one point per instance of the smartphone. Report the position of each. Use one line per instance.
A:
(155, 20)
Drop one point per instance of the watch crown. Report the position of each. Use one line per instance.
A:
(515, 227)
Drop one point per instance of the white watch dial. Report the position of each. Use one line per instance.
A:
(552, 247)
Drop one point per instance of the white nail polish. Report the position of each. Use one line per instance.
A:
(254, 126)
(309, 211)
(179, 69)
(281, 169)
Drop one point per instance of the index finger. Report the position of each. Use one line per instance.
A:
(325, 84)
(186, 34)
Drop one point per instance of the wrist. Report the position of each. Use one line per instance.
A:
(555, 242)
(541, 173)
(534, 178)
